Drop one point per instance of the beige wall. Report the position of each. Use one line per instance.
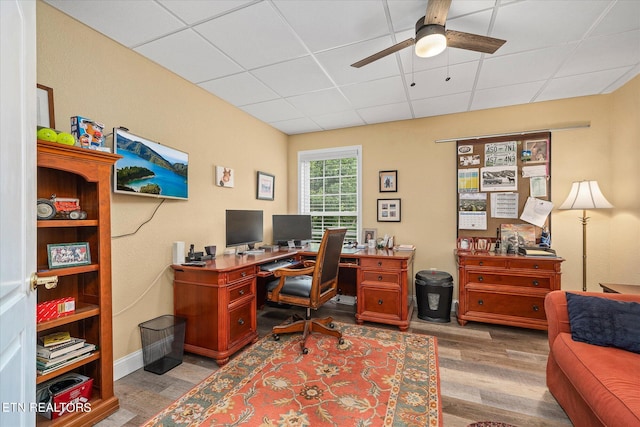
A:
(607, 151)
(95, 77)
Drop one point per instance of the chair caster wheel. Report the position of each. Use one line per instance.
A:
(276, 337)
(341, 341)
(305, 350)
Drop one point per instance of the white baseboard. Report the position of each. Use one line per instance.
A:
(127, 364)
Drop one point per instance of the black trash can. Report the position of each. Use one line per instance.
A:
(434, 291)
(162, 343)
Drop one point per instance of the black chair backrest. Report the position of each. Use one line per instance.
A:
(328, 258)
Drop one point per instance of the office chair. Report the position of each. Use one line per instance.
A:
(310, 286)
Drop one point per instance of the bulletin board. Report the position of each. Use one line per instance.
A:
(504, 183)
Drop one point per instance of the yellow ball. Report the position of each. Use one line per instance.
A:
(66, 138)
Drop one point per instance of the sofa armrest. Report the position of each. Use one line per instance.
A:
(555, 306)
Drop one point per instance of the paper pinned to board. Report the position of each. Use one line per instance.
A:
(536, 211)
(538, 170)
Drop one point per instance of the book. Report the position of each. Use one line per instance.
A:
(405, 248)
(43, 362)
(60, 349)
(56, 338)
(44, 371)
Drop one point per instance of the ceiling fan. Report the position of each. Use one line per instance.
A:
(432, 37)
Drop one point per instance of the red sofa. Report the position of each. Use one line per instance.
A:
(596, 386)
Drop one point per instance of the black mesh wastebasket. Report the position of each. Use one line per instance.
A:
(162, 343)
(434, 290)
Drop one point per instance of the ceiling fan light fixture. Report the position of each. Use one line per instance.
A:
(430, 40)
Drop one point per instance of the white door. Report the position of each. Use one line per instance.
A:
(17, 211)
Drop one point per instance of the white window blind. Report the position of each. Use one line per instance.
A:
(330, 189)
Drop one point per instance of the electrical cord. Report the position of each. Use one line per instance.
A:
(141, 225)
(134, 302)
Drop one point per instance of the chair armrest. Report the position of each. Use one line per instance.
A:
(288, 272)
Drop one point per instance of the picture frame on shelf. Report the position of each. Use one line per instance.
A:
(265, 186)
(388, 181)
(44, 107)
(61, 255)
(369, 234)
(389, 210)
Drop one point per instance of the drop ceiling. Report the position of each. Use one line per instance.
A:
(287, 62)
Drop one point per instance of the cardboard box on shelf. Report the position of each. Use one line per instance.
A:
(55, 308)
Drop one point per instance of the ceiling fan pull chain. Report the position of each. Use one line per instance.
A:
(448, 76)
(413, 83)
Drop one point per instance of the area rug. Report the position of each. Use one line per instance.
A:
(377, 377)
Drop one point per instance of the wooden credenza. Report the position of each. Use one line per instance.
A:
(219, 301)
(505, 289)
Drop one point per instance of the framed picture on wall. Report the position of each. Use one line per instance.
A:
(388, 210)
(265, 186)
(539, 150)
(388, 181)
(44, 107)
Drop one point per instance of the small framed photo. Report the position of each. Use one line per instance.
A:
(388, 210)
(68, 254)
(369, 234)
(265, 186)
(44, 107)
(224, 176)
(538, 149)
(388, 181)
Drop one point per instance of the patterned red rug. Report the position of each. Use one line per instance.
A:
(377, 377)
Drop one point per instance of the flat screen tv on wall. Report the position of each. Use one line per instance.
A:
(148, 168)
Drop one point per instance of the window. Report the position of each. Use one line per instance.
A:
(329, 189)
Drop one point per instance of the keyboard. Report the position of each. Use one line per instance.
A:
(271, 266)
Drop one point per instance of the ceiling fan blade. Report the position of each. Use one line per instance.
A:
(383, 53)
(473, 42)
(437, 11)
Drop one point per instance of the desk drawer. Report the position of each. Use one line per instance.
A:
(511, 305)
(380, 263)
(533, 264)
(242, 273)
(381, 301)
(486, 262)
(505, 279)
(370, 277)
(240, 322)
(240, 290)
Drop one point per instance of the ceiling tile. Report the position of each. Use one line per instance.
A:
(127, 22)
(431, 83)
(440, 105)
(514, 95)
(253, 36)
(192, 11)
(623, 16)
(580, 85)
(377, 92)
(296, 126)
(324, 24)
(294, 77)
(272, 111)
(338, 120)
(386, 113)
(320, 102)
(239, 89)
(178, 51)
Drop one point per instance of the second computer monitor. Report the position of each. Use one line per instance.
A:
(291, 227)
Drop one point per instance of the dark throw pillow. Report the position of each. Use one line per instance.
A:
(604, 322)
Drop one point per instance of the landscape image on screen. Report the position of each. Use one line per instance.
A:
(148, 168)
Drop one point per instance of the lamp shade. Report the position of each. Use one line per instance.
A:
(585, 195)
(430, 40)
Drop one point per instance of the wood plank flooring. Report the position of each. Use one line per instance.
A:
(487, 373)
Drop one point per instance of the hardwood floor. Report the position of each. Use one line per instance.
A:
(487, 373)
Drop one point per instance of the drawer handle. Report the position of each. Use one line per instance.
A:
(481, 263)
(480, 302)
(380, 302)
(480, 278)
(536, 308)
(241, 292)
(379, 263)
(536, 283)
(536, 266)
(379, 277)
(241, 321)
(244, 273)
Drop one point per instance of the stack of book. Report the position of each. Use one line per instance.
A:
(60, 349)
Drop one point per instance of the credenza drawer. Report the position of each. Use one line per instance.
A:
(381, 301)
(380, 277)
(240, 290)
(532, 264)
(240, 321)
(511, 305)
(509, 280)
(486, 262)
(380, 263)
(242, 273)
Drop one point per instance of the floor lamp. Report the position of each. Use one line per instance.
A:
(585, 195)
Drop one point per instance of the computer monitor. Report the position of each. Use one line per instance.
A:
(291, 227)
(243, 227)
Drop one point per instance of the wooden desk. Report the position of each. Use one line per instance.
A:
(617, 288)
(219, 301)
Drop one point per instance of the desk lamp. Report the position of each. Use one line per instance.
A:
(585, 195)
